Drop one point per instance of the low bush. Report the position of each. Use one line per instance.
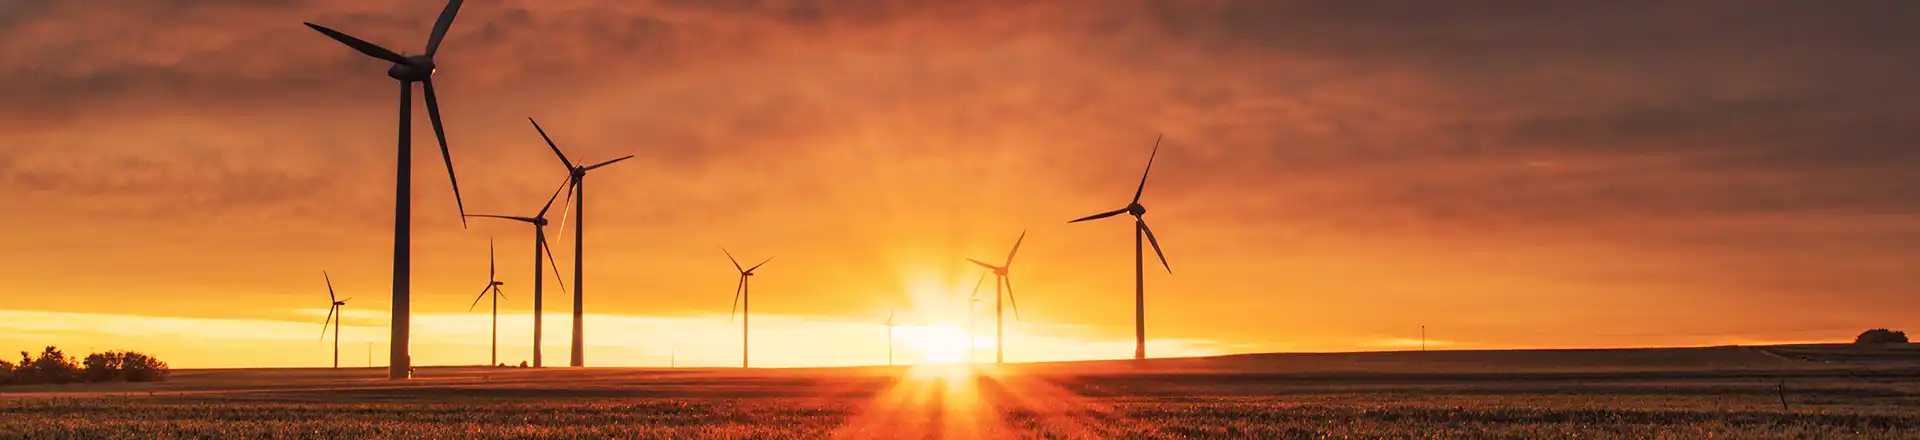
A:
(55, 367)
(1881, 336)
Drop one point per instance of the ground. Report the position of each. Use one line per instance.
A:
(1719, 392)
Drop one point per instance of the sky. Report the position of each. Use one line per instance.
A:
(1333, 175)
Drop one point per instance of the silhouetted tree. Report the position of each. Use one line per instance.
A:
(139, 367)
(1881, 336)
(102, 367)
(52, 366)
(23, 372)
(128, 366)
(55, 367)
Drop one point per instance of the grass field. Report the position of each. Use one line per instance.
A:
(1721, 392)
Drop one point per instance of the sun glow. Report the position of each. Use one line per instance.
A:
(940, 343)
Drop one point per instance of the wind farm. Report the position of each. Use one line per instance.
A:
(1394, 220)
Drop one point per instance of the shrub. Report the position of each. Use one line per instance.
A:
(101, 367)
(1881, 336)
(127, 366)
(52, 366)
(139, 367)
(23, 372)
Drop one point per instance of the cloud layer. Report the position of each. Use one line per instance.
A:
(1352, 168)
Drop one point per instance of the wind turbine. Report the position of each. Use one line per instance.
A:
(408, 70)
(890, 337)
(493, 286)
(1000, 278)
(333, 308)
(576, 189)
(539, 222)
(1139, 266)
(973, 344)
(740, 299)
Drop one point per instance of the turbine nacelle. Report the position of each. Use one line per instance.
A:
(497, 283)
(1136, 209)
(418, 68)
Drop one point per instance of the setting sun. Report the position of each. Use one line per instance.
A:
(940, 343)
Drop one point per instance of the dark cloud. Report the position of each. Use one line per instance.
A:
(1441, 112)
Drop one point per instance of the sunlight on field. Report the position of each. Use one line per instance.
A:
(934, 398)
(1720, 392)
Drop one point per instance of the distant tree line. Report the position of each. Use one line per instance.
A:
(1881, 336)
(55, 367)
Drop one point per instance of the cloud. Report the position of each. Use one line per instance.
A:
(1634, 148)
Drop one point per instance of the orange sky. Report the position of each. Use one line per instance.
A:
(1334, 175)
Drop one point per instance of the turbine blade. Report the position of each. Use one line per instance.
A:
(564, 204)
(483, 294)
(762, 263)
(975, 296)
(439, 132)
(440, 27)
(556, 195)
(1010, 298)
(736, 263)
(983, 264)
(1100, 215)
(1156, 245)
(1143, 175)
(736, 297)
(330, 297)
(491, 266)
(508, 217)
(1016, 249)
(610, 162)
(499, 293)
(363, 46)
(557, 277)
(329, 321)
(556, 148)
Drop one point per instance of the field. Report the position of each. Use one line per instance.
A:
(1719, 392)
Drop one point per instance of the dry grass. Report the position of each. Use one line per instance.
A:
(1711, 393)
